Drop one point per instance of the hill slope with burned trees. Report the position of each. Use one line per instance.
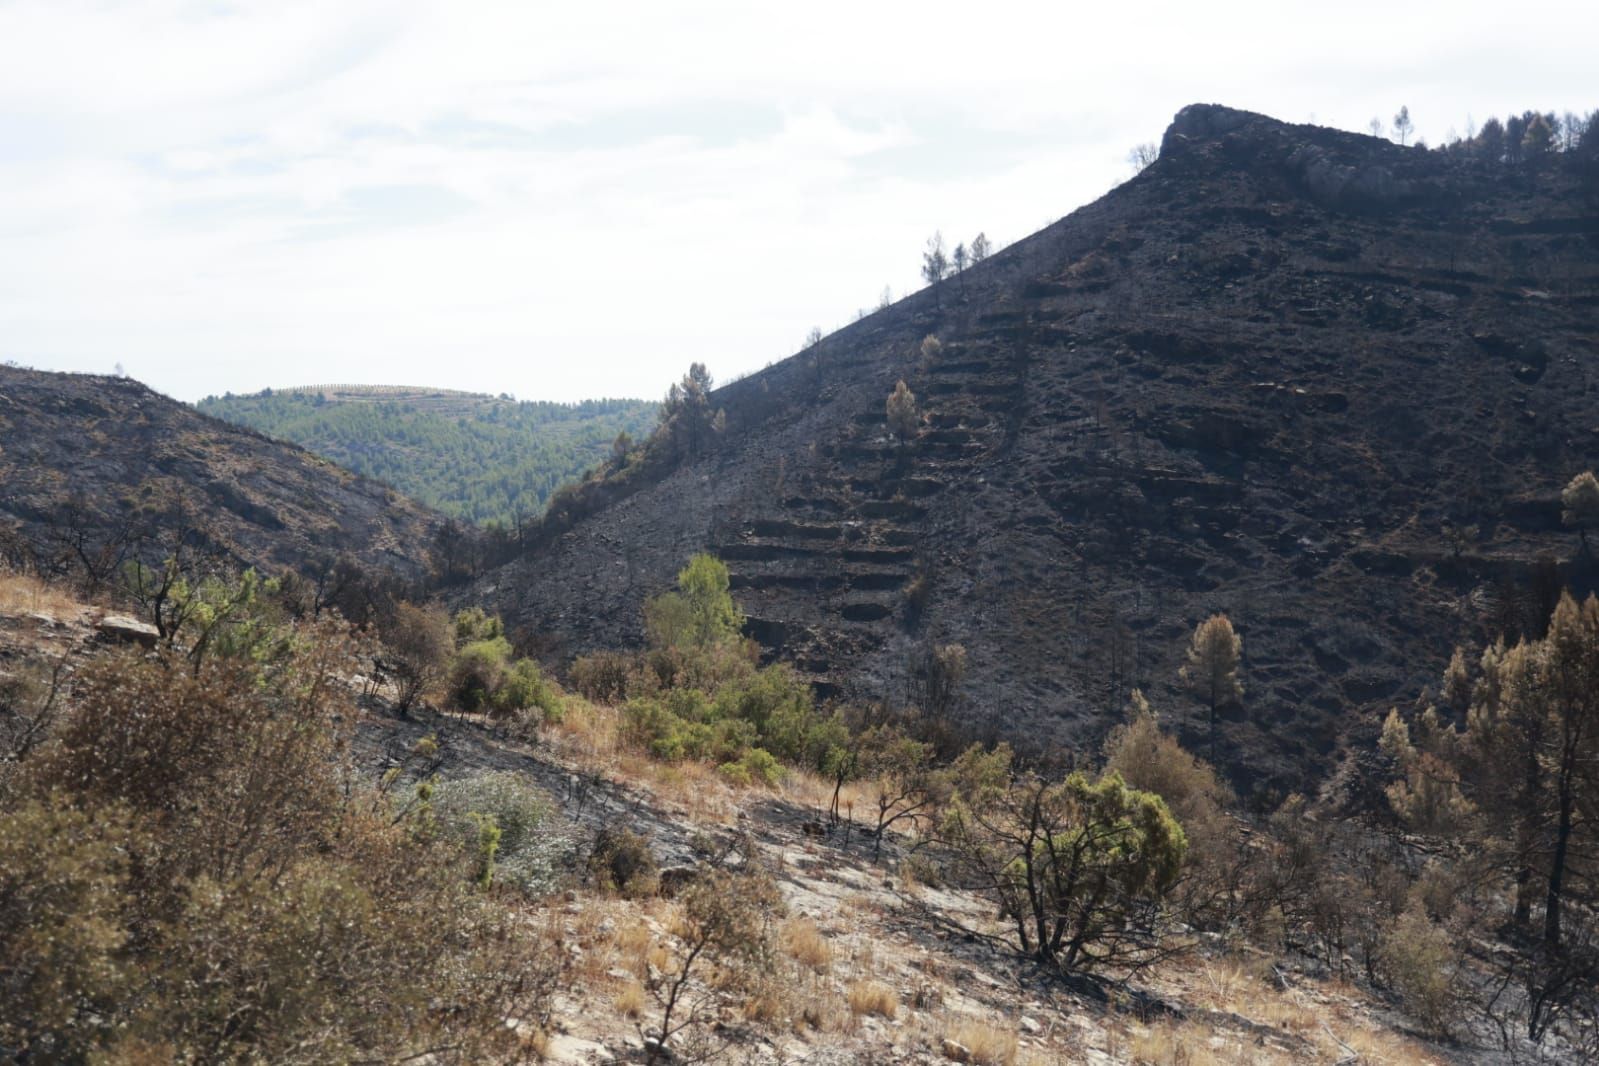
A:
(99, 471)
(1327, 385)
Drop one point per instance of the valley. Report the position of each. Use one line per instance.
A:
(476, 458)
(1169, 640)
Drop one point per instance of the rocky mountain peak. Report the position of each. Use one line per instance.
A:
(1204, 122)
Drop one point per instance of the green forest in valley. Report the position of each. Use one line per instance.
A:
(475, 457)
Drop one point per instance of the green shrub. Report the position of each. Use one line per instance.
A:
(1079, 867)
(478, 671)
(754, 765)
(1150, 759)
(777, 702)
(682, 724)
(705, 668)
(524, 688)
(736, 773)
(418, 644)
(825, 739)
(719, 740)
(903, 418)
(648, 723)
(474, 624)
(701, 613)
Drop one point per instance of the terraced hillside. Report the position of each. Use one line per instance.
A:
(1326, 384)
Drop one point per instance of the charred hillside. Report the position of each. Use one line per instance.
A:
(96, 469)
(1326, 384)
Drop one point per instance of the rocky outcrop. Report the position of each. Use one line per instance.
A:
(1339, 170)
(1203, 122)
(120, 629)
(1331, 182)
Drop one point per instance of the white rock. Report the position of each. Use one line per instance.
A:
(121, 629)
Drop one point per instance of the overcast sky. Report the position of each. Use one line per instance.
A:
(578, 199)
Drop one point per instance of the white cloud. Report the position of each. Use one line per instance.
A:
(567, 200)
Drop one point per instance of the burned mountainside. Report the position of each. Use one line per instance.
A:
(96, 470)
(1326, 384)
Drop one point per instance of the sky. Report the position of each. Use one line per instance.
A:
(571, 200)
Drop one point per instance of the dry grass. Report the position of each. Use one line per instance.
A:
(806, 944)
(824, 1011)
(865, 904)
(630, 1000)
(616, 933)
(1187, 1045)
(589, 732)
(873, 997)
(590, 735)
(769, 1006)
(927, 995)
(1169, 1044)
(599, 955)
(1038, 1058)
(536, 1044)
(988, 1044)
(697, 790)
(1332, 1023)
(635, 943)
(1387, 1048)
(25, 594)
(806, 789)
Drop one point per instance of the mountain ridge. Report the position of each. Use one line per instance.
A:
(1280, 356)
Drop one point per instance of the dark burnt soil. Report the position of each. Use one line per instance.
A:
(87, 461)
(1269, 376)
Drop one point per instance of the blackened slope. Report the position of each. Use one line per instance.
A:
(1263, 377)
(86, 452)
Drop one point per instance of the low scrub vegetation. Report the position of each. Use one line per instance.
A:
(190, 823)
(191, 868)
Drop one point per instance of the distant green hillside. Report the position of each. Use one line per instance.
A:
(479, 458)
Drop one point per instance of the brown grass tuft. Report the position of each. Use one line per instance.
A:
(629, 1001)
(633, 943)
(806, 944)
(989, 1044)
(873, 997)
(1169, 1045)
(768, 1006)
(24, 593)
(825, 1012)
